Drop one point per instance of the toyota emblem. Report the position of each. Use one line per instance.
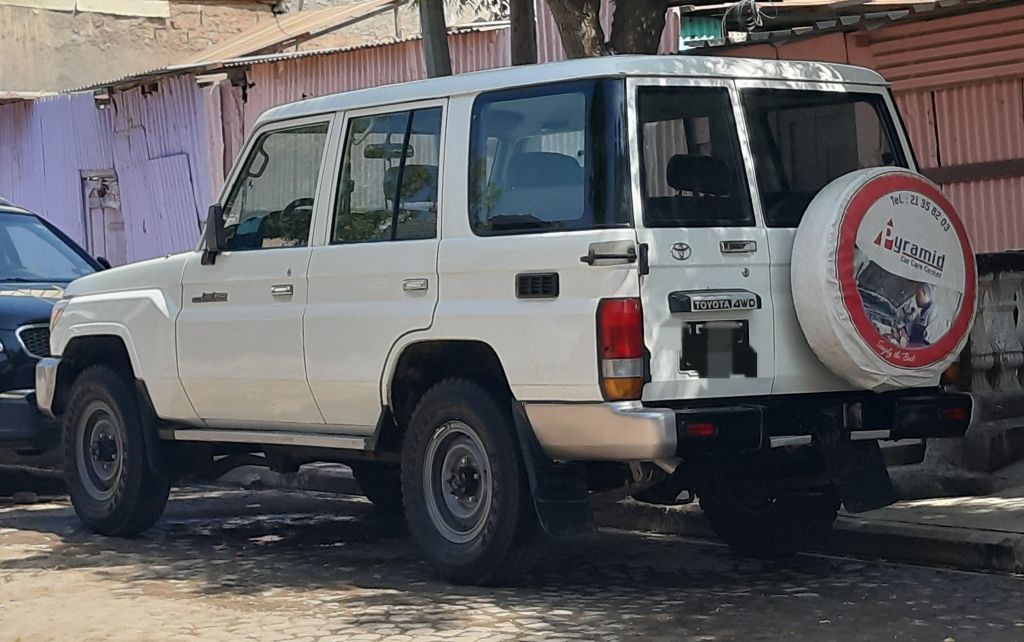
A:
(681, 251)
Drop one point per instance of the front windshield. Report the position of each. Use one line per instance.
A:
(30, 251)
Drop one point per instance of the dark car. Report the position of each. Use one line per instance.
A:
(37, 261)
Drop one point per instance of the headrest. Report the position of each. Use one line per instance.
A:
(544, 169)
(703, 174)
(419, 183)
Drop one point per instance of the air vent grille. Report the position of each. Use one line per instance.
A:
(543, 285)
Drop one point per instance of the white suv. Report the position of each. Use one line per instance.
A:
(497, 294)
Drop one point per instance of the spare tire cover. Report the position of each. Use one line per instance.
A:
(884, 279)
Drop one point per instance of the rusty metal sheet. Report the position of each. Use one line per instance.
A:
(981, 122)
(919, 117)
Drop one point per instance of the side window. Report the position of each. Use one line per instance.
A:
(693, 174)
(539, 158)
(389, 178)
(271, 203)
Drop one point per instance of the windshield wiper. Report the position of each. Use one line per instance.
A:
(20, 279)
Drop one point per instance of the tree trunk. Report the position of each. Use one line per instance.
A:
(637, 26)
(523, 29)
(435, 38)
(579, 25)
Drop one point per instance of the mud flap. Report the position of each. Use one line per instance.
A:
(859, 473)
(559, 490)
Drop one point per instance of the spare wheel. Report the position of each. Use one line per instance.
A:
(884, 279)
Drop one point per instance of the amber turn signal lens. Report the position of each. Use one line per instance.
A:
(624, 389)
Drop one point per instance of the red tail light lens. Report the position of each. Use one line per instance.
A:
(620, 325)
(620, 345)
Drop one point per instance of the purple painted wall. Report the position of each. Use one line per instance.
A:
(157, 145)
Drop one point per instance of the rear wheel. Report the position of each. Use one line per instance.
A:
(381, 483)
(771, 526)
(113, 488)
(466, 497)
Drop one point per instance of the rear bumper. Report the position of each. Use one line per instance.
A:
(630, 431)
(22, 425)
(624, 431)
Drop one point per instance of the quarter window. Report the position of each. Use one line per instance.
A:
(548, 158)
(693, 173)
(388, 190)
(271, 203)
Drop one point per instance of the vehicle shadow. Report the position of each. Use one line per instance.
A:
(248, 541)
(338, 556)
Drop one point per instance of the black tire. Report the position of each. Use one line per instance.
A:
(459, 422)
(113, 488)
(381, 483)
(772, 527)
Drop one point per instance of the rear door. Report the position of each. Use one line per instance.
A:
(375, 279)
(706, 300)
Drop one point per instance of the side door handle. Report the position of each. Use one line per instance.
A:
(282, 290)
(415, 285)
(738, 247)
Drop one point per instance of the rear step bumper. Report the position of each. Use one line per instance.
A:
(630, 431)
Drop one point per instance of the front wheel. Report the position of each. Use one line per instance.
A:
(113, 488)
(466, 498)
(772, 526)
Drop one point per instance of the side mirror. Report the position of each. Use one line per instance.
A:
(104, 263)
(213, 235)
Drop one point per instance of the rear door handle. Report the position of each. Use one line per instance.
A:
(610, 253)
(738, 247)
(282, 290)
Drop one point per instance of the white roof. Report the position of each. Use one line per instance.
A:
(682, 66)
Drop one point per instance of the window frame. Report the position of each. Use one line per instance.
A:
(596, 91)
(343, 122)
(740, 145)
(235, 177)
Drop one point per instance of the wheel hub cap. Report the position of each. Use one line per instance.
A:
(457, 481)
(99, 450)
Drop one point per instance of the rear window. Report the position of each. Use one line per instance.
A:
(548, 158)
(693, 174)
(803, 140)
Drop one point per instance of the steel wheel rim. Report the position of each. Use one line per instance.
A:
(457, 482)
(99, 451)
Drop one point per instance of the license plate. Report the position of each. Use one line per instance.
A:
(718, 349)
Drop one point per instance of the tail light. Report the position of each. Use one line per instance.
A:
(620, 347)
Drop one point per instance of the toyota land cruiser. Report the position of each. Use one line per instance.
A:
(497, 294)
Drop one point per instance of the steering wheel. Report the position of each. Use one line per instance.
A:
(304, 202)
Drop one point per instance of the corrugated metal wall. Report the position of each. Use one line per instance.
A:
(157, 145)
(45, 146)
(959, 84)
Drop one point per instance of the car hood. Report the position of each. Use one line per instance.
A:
(23, 303)
(162, 273)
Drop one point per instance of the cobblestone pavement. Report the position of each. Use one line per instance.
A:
(241, 565)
